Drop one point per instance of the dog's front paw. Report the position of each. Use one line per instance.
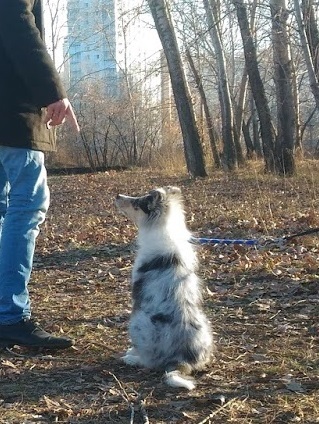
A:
(132, 360)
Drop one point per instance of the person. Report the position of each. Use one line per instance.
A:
(32, 100)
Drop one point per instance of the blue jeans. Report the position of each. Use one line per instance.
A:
(24, 201)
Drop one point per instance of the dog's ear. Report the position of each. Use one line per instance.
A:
(155, 197)
(151, 201)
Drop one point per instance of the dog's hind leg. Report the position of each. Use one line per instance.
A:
(176, 379)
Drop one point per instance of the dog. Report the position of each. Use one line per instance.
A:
(168, 328)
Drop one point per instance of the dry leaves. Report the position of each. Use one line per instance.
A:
(263, 304)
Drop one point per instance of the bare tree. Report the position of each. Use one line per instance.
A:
(55, 30)
(128, 82)
(257, 87)
(189, 28)
(286, 124)
(212, 134)
(240, 124)
(230, 157)
(192, 143)
(307, 54)
(312, 31)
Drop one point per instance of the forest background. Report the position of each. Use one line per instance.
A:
(239, 81)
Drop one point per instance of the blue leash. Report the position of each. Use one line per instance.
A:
(262, 242)
(203, 240)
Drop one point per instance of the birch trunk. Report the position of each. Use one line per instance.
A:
(192, 143)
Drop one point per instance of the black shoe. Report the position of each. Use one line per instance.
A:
(27, 333)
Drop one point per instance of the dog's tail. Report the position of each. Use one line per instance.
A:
(176, 379)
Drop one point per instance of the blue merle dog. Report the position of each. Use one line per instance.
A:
(168, 328)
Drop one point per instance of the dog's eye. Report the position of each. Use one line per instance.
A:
(136, 205)
(145, 203)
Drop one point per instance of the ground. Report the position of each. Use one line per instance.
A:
(263, 304)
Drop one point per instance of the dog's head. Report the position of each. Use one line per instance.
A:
(151, 207)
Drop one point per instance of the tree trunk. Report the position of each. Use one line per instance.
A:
(255, 128)
(257, 87)
(192, 143)
(212, 133)
(240, 107)
(248, 141)
(229, 154)
(307, 55)
(312, 32)
(286, 124)
(295, 91)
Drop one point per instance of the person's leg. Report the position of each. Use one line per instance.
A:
(28, 204)
(24, 201)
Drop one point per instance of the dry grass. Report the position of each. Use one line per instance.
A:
(263, 304)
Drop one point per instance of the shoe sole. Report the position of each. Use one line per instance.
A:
(10, 344)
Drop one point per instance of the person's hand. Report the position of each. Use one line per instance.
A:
(60, 111)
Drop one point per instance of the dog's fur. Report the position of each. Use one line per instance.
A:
(168, 328)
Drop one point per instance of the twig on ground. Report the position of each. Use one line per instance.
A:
(143, 411)
(141, 405)
(125, 397)
(217, 411)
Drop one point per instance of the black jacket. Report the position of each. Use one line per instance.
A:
(28, 79)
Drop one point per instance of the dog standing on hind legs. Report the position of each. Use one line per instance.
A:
(168, 328)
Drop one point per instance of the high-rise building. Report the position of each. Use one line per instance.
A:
(91, 44)
(106, 40)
